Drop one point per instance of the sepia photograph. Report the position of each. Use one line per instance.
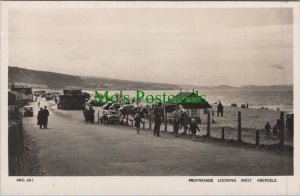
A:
(159, 91)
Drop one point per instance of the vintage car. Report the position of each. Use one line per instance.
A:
(115, 106)
(126, 109)
(28, 111)
(110, 117)
(93, 103)
(107, 106)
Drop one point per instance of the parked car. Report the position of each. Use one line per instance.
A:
(110, 117)
(93, 103)
(126, 109)
(115, 106)
(106, 106)
(28, 111)
(48, 97)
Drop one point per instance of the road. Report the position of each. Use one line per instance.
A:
(70, 147)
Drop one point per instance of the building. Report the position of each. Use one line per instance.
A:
(23, 90)
(191, 104)
(72, 99)
(13, 97)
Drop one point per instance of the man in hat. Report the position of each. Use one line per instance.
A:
(45, 116)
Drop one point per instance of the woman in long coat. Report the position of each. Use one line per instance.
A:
(40, 118)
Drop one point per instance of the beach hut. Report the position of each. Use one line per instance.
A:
(191, 104)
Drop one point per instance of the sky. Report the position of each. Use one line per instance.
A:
(198, 46)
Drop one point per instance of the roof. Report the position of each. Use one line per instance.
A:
(20, 85)
(183, 95)
(72, 91)
(186, 102)
(13, 92)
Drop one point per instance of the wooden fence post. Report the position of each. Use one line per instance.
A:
(239, 127)
(257, 138)
(165, 118)
(127, 120)
(143, 124)
(223, 133)
(98, 117)
(208, 125)
(281, 129)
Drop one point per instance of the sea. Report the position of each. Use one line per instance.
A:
(274, 99)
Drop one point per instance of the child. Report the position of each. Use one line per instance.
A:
(137, 124)
(193, 128)
(275, 131)
(268, 129)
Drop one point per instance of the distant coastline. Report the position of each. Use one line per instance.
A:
(52, 80)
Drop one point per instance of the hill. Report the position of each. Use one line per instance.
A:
(59, 81)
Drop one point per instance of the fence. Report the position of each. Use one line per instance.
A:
(147, 123)
(15, 143)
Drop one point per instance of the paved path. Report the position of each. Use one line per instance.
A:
(70, 147)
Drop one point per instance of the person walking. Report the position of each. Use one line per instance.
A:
(220, 108)
(176, 127)
(45, 116)
(157, 123)
(268, 129)
(185, 123)
(137, 123)
(39, 104)
(177, 116)
(193, 128)
(40, 118)
(85, 114)
(181, 119)
(91, 114)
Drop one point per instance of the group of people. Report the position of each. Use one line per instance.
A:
(42, 117)
(181, 120)
(89, 114)
(268, 130)
(157, 121)
(179, 117)
(178, 122)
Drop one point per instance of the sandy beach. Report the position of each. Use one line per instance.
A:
(252, 120)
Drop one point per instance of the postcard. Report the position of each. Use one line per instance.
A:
(149, 98)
